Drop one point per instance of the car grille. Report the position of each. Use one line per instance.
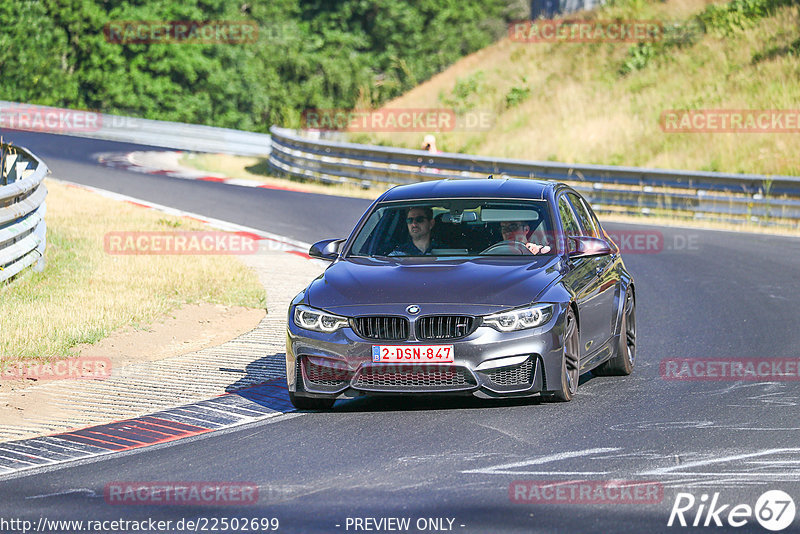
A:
(521, 374)
(325, 376)
(381, 327)
(444, 326)
(411, 377)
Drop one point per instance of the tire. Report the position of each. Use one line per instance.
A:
(570, 368)
(624, 359)
(309, 403)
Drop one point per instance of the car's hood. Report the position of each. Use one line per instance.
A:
(483, 283)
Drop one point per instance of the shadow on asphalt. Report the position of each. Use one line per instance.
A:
(259, 385)
(261, 371)
(400, 403)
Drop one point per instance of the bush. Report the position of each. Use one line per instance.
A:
(309, 54)
(466, 93)
(737, 15)
(719, 19)
(517, 95)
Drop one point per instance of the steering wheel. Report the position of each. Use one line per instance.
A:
(514, 247)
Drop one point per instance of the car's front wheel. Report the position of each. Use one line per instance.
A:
(308, 403)
(570, 362)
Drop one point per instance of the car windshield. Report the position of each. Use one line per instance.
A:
(455, 228)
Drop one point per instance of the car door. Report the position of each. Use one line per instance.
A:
(607, 280)
(581, 278)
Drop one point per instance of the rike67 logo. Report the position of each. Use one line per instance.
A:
(774, 510)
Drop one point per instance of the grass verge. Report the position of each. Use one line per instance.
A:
(84, 294)
(601, 103)
(258, 169)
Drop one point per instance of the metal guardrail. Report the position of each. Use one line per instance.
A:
(165, 134)
(22, 209)
(550, 8)
(768, 200)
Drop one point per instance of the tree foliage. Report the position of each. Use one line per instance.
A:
(309, 54)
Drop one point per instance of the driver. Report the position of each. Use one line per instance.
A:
(420, 222)
(518, 231)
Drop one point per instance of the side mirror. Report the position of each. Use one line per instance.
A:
(584, 246)
(327, 249)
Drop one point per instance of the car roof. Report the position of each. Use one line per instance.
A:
(480, 188)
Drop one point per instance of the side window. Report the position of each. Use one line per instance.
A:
(596, 221)
(589, 228)
(571, 227)
(380, 233)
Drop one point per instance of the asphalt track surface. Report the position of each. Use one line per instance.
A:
(707, 294)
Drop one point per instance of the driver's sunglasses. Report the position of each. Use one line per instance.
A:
(418, 219)
(513, 227)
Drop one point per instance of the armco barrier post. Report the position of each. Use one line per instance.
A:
(3, 165)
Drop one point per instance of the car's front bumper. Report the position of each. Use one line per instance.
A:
(487, 364)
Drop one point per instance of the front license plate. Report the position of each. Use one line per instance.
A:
(412, 353)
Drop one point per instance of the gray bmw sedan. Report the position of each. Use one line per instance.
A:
(493, 288)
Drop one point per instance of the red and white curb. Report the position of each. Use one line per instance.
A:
(129, 161)
(249, 405)
(228, 411)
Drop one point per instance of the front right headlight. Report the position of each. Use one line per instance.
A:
(317, 320)
(521, 318)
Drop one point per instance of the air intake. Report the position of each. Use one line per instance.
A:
(385, 328)
(444, 326)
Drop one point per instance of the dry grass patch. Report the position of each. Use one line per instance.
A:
(581, 108)
(84, 293)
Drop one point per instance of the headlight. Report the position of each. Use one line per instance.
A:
(521, 318)
(317, 320)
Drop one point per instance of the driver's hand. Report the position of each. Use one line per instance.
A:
(537, 249)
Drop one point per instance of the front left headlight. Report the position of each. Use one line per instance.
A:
(521, 318)
(318, 320)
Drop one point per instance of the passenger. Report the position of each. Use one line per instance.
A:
(420, 223)
(518, 231)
